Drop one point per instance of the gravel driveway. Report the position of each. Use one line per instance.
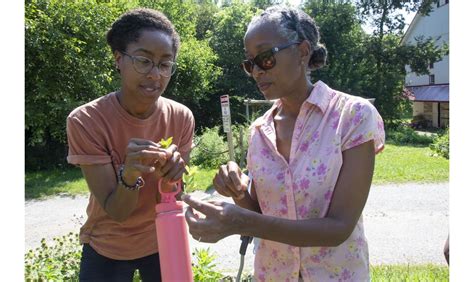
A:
(404, 224)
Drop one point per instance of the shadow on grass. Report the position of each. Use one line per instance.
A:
(406, 144)
(40, 184)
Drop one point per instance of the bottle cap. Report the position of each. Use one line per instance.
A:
(169, 197)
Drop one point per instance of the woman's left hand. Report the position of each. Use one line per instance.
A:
(221, 219)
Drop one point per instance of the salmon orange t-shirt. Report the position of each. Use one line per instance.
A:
(98, 133)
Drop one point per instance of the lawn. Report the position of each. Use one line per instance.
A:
(203, 178)
(42, 184)
(400, 164)
(415, 273)
(70, 181)
(395, 164)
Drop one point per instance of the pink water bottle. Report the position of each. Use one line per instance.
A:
(172, 236)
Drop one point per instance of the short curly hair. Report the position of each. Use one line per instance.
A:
(129, 26)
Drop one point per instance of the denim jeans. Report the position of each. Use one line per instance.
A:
(96, 267)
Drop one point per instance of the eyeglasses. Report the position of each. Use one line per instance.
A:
(265, 60)
(144, 65)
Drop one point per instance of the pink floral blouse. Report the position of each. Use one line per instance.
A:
(329, 122)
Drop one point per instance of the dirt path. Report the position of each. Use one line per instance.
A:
(404, 224)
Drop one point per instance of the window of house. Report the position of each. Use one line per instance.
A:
(432, 78)
(431, 65)
(437, 3)
(447, 2)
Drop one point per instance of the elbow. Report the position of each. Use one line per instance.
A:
(340, 239)
(341, 235)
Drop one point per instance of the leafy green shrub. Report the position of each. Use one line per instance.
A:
(67, 63)
(441, 144)
(240, 134)
(211, 149)
(58, 262)
(404, 135)
(204, 268)
(189, 178)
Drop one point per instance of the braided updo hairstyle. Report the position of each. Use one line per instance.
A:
(296, 26)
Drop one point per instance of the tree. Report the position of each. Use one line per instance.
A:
(342, 34)
(68, 63)
(195, 80)
(198, 72)
(386, 57)
(206, 9)
(226, 39)
(371, 65)
(263, 4)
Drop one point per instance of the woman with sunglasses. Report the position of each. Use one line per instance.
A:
(311, 160)
(115, 141)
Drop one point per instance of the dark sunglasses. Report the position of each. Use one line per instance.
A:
(265, 60)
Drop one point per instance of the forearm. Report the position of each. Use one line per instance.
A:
(120, 203)
(301, 233)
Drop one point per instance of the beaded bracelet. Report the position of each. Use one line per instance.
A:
(138, 184)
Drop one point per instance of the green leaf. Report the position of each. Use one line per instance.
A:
(166, 143)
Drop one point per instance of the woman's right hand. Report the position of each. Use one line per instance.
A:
(230, 181)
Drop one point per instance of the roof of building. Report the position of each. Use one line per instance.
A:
(429, 93)
(411, 27)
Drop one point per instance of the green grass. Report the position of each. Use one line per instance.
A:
(395, 164)
(412, 273)
(203, 178)
(400, 164)
(43, 184)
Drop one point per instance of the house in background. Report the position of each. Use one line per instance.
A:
(430, 93)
